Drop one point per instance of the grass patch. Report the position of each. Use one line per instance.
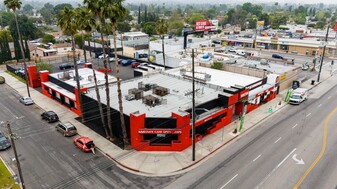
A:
(5, 181)
(17, 77)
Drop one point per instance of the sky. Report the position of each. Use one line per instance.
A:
(236, 1)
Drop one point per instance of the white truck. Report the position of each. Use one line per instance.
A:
(298, 96)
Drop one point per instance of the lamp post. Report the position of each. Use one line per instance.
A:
(326, 41)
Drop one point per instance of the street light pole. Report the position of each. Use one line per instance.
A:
(193, 109)
(326, 41)
(16, 155)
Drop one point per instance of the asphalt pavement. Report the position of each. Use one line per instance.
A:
(279, 151)
(49, 160)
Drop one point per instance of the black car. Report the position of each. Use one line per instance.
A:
(50, 116)
(66, 66)
(4, 143)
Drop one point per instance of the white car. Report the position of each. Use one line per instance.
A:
(102, 56)
(26, 100)
(240, 52)
(111, 59)
(232, 49)
(79, 62)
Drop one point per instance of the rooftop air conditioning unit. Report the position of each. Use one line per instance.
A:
(129, 97)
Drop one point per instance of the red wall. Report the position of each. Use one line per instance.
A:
(33, 76)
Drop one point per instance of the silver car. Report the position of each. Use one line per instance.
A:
(67, 129)
(26, 100)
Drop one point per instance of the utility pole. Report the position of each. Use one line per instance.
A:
(16, 155)
(326, 41)
(193, 109)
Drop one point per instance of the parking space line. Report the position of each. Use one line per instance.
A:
(308, 114)
(319, 105)
(329, 97)
(294, 126)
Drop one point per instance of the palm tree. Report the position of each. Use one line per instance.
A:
(16, 5)
(87, 23)
(67, 22)
(161, 29)
(97, 7)
(116, 11)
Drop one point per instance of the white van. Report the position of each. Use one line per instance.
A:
(298, 96)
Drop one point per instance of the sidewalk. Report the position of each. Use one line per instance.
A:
(169, 163)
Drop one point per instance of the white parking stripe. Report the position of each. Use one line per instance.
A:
(329, 97)
(308, 114)
(294, 126)
(319, 105)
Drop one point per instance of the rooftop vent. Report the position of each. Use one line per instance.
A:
(161, 91)
(153, 101)
(137, 93)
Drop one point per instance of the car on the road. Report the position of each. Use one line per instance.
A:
(66, 66)
(84, 143)
(216, 41)
(4, 142)
(20, 71)
(67, 129)
(128, 62)
(80, 62)
(2, 80)
(232, 49)
(135, 64)
(240, 52)
(26, 100)
(277, 56)
(50, 116)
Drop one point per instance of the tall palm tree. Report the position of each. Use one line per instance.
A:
(97, 7)
(87, 23)
(161, 29)
(16, 5)
(67, 22)
(117, 11)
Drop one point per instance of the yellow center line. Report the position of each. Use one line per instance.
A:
(320, 154)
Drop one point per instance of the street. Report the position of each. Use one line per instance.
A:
(49, 160)
(270, 156)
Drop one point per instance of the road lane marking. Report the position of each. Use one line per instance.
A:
(279, 165)
(319, 105)
(308, 114)
(277, 140)
(257, 157)
(229, 181)
(294, 126)
(325, 134)
(329, 97)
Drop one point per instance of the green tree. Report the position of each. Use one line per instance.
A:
(161, 29)
(217, 66)
(320, 25)
(47, 12)
(47, 38)
(5, 53)
(277, 19)
(15, 5)
(300, 18)
(28, 9)
(116, 11)
(149, 28)
(194, 17)
(44, 66)
(265, 17)
(123, 27)
(27, 28)
(61, 6)
(6, 18)
(66, 21)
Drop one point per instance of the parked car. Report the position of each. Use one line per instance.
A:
(84, 143)
(67, 129)
(240, 52)
(20, 71)
(79, 62)
(50, 116)
(128, 62)
(135, 64)
(216, 41)
(277, 56)
(66, 66)
(2, 80)
(298, 96)
(232, 49)
(120, 61)
(102, 56)
(26, 100)
(112, 59)
(4, 142)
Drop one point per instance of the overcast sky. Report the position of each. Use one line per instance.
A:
(235, 1)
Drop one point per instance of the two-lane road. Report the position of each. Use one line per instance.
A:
(270, 156)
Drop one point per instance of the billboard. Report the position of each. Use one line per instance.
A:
(204, 25)
(335, 28)
(259, 25)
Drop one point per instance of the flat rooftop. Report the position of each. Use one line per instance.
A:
(218, 77)
(178, 99)
(86, 77)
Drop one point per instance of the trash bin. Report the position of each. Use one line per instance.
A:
(312, 82)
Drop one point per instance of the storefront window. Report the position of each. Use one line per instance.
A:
(284, 47)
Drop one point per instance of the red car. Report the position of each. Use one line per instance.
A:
(135, 64)
(85, 144)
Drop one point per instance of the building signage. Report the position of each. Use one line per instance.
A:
(243, 94)
(335, 28)
(159, 131)
(255, 85)
(259, 25)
